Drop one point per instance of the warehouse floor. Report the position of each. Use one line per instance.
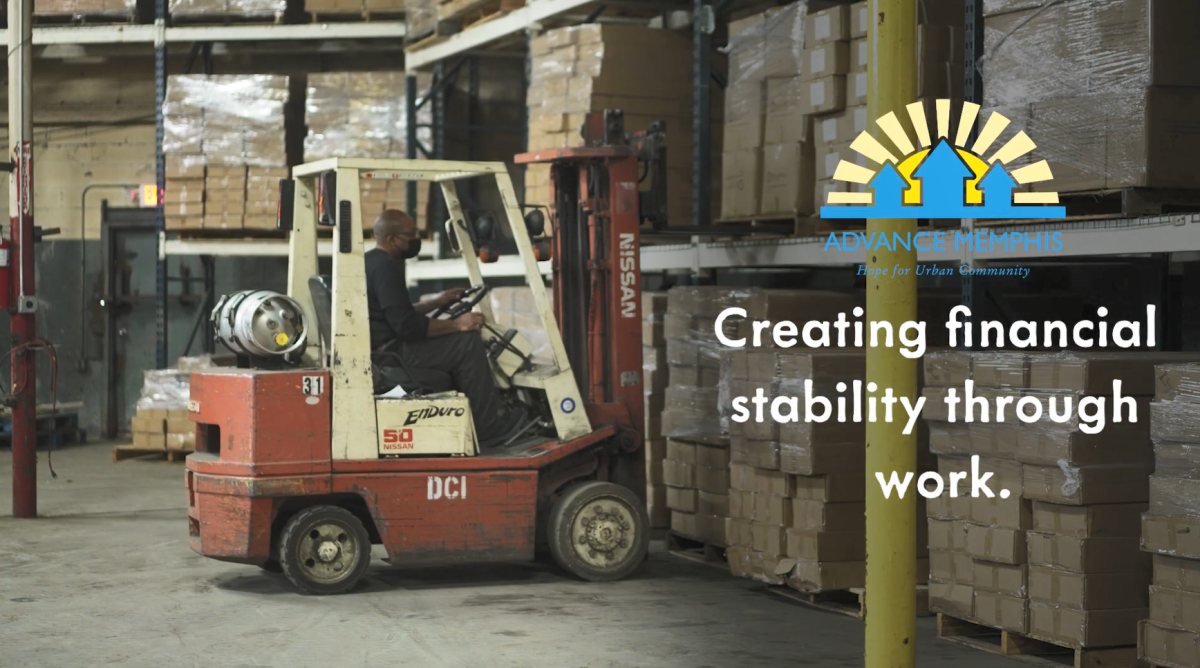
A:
(106, 578)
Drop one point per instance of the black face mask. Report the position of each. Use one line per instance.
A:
(414, 249)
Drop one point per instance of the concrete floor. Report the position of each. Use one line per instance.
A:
(106, 577)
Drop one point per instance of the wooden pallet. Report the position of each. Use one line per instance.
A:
(804, 225)
(1030, 650)
(698, 551)
(123, 452)
(471, 12)
(850, 602)
(443, 30)
(365, 16)
(1119, 203)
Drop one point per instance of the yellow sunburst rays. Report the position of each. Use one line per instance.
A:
(866, 145)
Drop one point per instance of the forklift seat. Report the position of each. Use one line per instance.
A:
(414, 381)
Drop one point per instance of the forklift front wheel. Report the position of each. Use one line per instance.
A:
(324, 550)
(598, 531)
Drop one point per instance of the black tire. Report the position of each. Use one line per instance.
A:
(271, 566)
(598, 531)
(324, 550)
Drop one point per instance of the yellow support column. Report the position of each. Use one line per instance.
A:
(892, 297)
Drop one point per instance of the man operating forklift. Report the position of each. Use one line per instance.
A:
(419, 353)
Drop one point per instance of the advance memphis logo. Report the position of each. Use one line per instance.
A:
(943, 181)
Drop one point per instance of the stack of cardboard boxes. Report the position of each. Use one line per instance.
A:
(1102, 87)
(644, 72)
(362, 115)
(226, 142)
(360, 7)
(1056, 559)
(798, 94)
(697, 447)
(421, 17)
(654, 383)
(1171, 529)
(163, 429)
(796, 507)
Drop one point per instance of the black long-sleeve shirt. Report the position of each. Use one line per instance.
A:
(389, 307)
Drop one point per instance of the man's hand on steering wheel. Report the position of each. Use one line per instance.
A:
(469, 322)
(447, 297)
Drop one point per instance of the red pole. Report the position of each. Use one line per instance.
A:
(23, 303)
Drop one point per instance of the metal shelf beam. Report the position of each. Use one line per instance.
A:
(144, 34)
(475, 37)
(241, 247)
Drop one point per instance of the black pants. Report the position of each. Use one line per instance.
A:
(462, 356)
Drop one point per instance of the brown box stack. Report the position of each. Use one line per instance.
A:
(361, 114)
(223, 133)
(1171, 529)
(161, 421)
(362, 7)
(1067, 533)
(85, 8)
(654, 383)
(644, 72)
(1101, 87)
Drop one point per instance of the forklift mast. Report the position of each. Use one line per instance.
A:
(597, 208)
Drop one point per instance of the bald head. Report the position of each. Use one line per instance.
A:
(394, 222)
(394, 232)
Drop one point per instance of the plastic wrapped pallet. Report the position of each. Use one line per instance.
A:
(644, 72)
(1102, 86)
(421, 17)
(161, 421)
(697, 478)
(223, 8)
(362, 114)
(1170, 635)
(654, 384)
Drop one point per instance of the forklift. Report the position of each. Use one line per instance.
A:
(300, 467)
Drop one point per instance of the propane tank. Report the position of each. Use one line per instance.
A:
(260, 323)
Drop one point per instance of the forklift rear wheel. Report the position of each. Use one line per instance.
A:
(598, 531)
(324, 550)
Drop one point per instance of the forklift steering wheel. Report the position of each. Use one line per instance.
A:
(465, 303)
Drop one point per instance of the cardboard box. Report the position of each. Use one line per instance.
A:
(825, 95)
(711, 504)
(684, 524)
(840, 128)
(679, 474)
(146, 424)
(1105, 520)
(1175, 607)
(1067, 627)
(859, 55)
(756, 453)
(828, 25)
(957, 600)
(857, 89)
(788, 180)
(1175, 536)
(826, 60)
(825, 575)
(1003, 612)
(1007, 579)
(834, 488)
(1177, 381)
(1175, 573)
(149, 440)
(1161, 645)
(1087, 555)
(949, 439)
(776, 510)
(821, 516)
(810, 459)
(741, 183)
(1174, 496)
(950, 535)
(711, 480)
(768, 538)
(775, 483)
(785, 122)
(1094, 591)
(859, 20)
(948, 566)
(186, 442)
(1088, 485)
(821, 546)
(682, 499)
(1006, 546)
(180, 426)
(831, 156)
(1120, 443)
(1094, 373)
(946, 506)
